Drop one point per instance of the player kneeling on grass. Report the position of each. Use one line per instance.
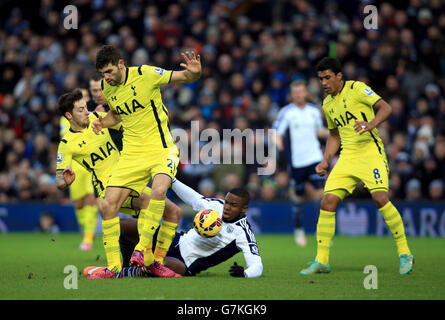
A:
(190, 253)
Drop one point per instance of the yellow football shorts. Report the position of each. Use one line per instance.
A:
(134, 170)
(82, 184)
(367, 165)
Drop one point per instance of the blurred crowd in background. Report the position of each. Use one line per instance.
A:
(250, 51)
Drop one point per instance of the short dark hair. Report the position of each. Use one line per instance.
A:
(107, 54)
(329, 63)
(67, 100)
(242, 193)
(97, 76)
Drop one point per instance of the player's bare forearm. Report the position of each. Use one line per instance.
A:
(323, 133)
(332, 145)
(384, 110)
(185, 76)
(111, 119)
(60, 180)
(192, 70)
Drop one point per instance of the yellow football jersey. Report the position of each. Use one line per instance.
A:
(354, 103)
(139, 103)
(97, 153)
(83, 185)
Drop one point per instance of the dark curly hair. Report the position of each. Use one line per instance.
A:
(242, 193)
(107, 54)
(67, 100)
(329, 63)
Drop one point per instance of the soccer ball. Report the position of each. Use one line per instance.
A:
(207, 223)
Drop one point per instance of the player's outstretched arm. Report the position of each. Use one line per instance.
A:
(192, 70)
(196, 200)
(186, 194)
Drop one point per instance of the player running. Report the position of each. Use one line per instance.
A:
(134, 97)
(190, 253)
(350, 113)
(99, 155)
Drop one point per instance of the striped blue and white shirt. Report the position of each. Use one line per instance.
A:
(202, 253)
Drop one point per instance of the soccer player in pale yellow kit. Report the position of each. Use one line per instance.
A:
(134, 97)
(353, 112)
(99, 155)
(82, 194)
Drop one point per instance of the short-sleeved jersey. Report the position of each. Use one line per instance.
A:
(97, 153)
(83, 185)
(64, 126)
(139, 103)
(354, 103)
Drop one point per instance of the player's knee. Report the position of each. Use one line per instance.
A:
(176, 212)
(90, 200)
(380, 198)
(172, 213)
(159, 193)
(79, 204)
(141, 202)
(109, 209)
(160, 186)
(175, 264)
(144, 201)
(330, 202)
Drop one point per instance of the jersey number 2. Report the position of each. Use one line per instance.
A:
(171, 164)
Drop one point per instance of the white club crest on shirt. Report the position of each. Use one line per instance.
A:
(159, 71)
(368, 91)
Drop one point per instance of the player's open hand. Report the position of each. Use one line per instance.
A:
(97, 125)
(236, 270)
(69, 175)
(322, 168)
(362, 126)
(192, 62)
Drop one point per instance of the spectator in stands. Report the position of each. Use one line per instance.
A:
(251, 51)
(436, 191)
(47, 223)
(413, 190)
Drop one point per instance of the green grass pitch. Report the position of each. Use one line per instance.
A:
(32, 267)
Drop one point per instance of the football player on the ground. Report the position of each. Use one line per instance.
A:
(190, 253)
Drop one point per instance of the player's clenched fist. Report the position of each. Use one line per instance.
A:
(97, 125)
(69, 175)
(322, 168)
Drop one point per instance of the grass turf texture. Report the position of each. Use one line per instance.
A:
(33, 268)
